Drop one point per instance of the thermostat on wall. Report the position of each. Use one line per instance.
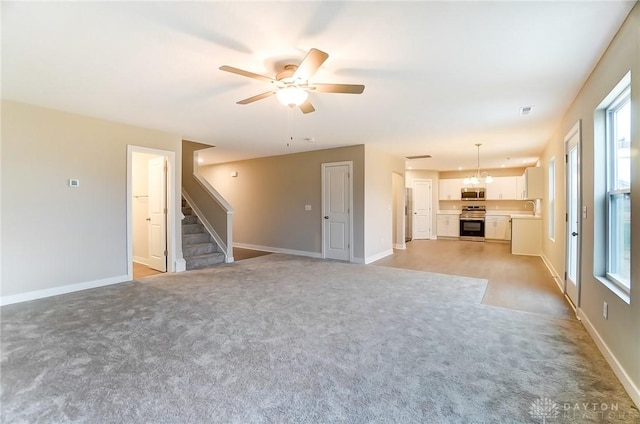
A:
(74, 183)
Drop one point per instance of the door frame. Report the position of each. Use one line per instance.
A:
(324, 166)
(171, 227)
(573, 132)
(159, 261)
(430, 236)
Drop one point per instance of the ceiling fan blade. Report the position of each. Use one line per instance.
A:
(307, 107)
(310, 64)
(246, 73)
(255, 98)
(339, 88)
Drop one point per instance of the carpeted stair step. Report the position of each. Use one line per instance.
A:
(204, 261)
(198, 238)
(190, 219)
(192, 228)
(199, 249)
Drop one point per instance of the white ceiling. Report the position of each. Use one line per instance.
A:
(439, 76)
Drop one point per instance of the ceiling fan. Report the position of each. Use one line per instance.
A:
(292, 86)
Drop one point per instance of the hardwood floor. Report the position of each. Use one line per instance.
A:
(515, 282)
(141, 271)
(240, 253)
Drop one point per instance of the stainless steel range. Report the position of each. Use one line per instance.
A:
(472, 223)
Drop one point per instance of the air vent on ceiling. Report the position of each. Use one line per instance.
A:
(525, 110)
(419, 157)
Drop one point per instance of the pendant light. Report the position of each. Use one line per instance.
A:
(478, 176)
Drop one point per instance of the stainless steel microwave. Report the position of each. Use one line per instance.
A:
(473, 193)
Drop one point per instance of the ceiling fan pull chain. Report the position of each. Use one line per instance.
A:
(289, 127)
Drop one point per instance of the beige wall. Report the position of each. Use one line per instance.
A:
(378, 201)
(620, 332)
(269, 197)
(54, 235)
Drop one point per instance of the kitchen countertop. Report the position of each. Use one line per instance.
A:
(494, 212)
(525, 216)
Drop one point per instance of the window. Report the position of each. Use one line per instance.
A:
(618, 198)
(551, 212)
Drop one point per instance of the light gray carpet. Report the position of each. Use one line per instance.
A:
(280, 339)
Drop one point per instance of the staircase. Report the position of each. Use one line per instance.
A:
(198, 247)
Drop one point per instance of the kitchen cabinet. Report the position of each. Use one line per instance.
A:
(533, 183)
(502, 188)
(526, 235)
(448, 225)
(449, 189)
(497, 227)
(521, 190)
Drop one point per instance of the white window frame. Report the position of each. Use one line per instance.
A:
(614, 192)
(551, 212)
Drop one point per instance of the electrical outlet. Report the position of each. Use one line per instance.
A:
(605, 310)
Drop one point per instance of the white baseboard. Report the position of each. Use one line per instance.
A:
(180, 265)
(402, 246)
(378, 256)
(627, 382)
(55, 291)
(141, 260)
(278, 250)
(554, 273)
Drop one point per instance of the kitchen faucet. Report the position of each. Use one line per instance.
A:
(533, 205)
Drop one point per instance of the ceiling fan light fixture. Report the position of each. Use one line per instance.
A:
(292, 96)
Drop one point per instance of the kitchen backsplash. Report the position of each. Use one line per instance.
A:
(490, 205)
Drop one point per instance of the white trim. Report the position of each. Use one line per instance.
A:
(55, 291)
(402, 246)
(180, 265)
(358, 261)
(174, 250)
(203, 181)
(140, 260)
(279, 250)
(378, 256)
(576, 130)
(351, 212)
(619, 371)
(556, 276)
(433, 235)
(222, 202)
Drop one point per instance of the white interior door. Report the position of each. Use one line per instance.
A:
(572, 280)
(421, 209)
(336, 211)
(158, 214)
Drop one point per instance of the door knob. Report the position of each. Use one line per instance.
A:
(574, 234)
(326, 217)
(148, 219)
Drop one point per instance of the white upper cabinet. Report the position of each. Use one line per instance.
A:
(533, 183)
(503, 188)
(449, 189)
(522, 191)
